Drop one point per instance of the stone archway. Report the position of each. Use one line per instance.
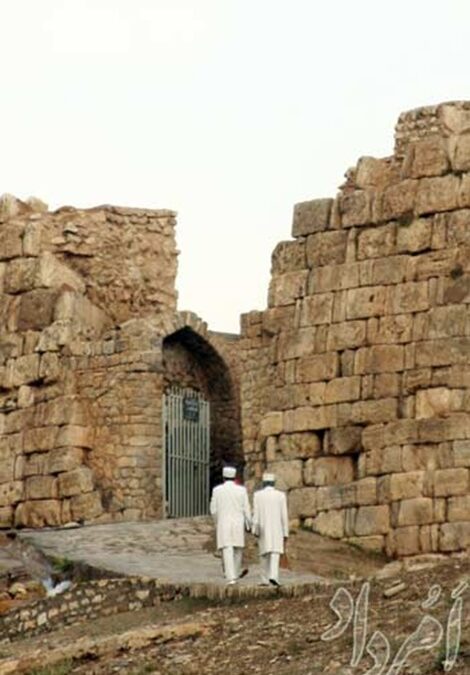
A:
(190, 360)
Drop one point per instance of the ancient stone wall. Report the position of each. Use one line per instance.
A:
(86, 301)
(356, 379)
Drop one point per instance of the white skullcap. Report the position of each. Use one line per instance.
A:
(268, 478)
(229, 472)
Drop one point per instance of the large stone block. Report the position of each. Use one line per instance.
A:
(327, 248)
(11, 493)
(434, 402)
(79, 436)
(333, 278)
(437, 194)
(373, 173)
(302, 502)
(36, 309)
(309, 418)
(40, 513)
(6, 516)
(22, 370)
(271, 424)
(317, 367)
(329, 524)
(288, 473)
(397, 200)
(343, 389)
(329, 471)
(412, 296)
(460, 153)
(454, 537)
(299, 445)
(86, 506)
(397, 486)
(292, 344)
(418, 511)
(310, 217)
(288, 256)
(40, 439)
(75, 482)
(458, 508)
(20, 275)
(372, 520)
(377, 242)
(346, 335)
(355, 208)
(461, 453)
(392, 270)
(379, 359)
(365, 302)
(10, 241)
(443, 352)
(403, 541)
(427, 157)
(449, 482)
(286, 288)
(426, 457)
(414, 237)
(366, 491)
(316, 309)
(344, 440)
(41, 487)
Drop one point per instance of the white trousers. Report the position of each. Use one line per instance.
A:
(232, 557)
(269, 567)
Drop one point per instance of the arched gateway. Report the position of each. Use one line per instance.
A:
(201, 424)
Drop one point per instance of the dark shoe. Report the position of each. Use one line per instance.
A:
(243, 573)
(273, 582)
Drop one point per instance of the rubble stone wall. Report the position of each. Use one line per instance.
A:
(356, 379)
(86, 300)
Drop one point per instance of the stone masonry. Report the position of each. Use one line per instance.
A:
(356, 378)
(87, 305)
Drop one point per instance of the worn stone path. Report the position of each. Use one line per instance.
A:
(175, 551)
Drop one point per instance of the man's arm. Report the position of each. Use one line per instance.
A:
(284, 516)
(213, 504)
(246, 510)
(255, 521)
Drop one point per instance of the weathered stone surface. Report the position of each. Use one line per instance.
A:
(326, 248)
(318, 367)
(38, 513)
(418, 511)
(36, 309)
(397, 201)
(302, 502)
(377, 242)
(450, 482)
(330, 524)
(287, 288)
(288, 473)
(309, 418)
(372, 520)
(437, 194)
(427, 157)
(316, 309)
(75, 482)
(401, 486)
(299, 445)
(355, 208)
(344, 440)
(414, 237)
(86, 506)
(459, 508)
(328, 471)
(41, 487)
(310, 217)
(10, 241)
(433, 402)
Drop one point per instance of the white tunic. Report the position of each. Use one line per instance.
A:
(231, 510)
(270, 522)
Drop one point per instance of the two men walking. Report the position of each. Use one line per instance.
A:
(231, 509)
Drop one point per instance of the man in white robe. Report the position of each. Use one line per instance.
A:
(231, 510)
(271, 526)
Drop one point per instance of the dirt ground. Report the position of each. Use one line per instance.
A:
(278, 635)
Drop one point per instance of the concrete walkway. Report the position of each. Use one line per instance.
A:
(174, 551)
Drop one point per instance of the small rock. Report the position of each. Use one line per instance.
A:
(392, 569)
(394, 590)
(17, 589)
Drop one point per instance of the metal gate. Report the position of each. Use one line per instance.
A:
(186, 424)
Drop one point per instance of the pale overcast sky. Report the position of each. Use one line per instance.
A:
(228, 111)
